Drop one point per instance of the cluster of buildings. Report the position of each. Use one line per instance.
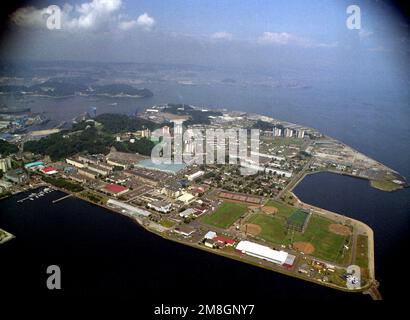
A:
(86, 167)
(283, 258)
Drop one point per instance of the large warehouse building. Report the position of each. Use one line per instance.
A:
(126, 208)
(262, 252)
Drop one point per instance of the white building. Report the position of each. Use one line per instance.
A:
(5, 164)
(184, 230)
(126, 208)
(195, 175)
(166, 131)
(262, 252)
(277, 132)
(301, 134)
(288, 133)
(186, 198)
(210, 235)
(75, 163)
(187, 213)
(160, 206)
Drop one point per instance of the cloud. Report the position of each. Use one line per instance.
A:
(221, 35)
(284, 38)
(95, 15)
(29, 17)
(127, 25)
(277, 38)
(145, 21)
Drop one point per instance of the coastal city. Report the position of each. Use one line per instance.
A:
(255, 218)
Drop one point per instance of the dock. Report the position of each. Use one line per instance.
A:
(62, 198)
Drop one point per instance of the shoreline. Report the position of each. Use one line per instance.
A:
(368, 288)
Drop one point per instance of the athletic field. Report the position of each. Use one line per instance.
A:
(226, 214)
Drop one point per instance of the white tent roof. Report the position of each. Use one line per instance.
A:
(261, 251)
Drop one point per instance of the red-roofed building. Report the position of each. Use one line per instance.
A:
(224, 240)
(115, 189)
(49, 170)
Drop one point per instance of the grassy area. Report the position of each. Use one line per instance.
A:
(362, 259)
(166, 223)
(273, 228)
(96, 198)
(284, 210)
(64, 184)
(385, 185)
(328, 245)
(225, 215)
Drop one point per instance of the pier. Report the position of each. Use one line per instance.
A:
(62, 198)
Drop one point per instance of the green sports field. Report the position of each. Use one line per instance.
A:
(272, 228)
(328, 245)
(226, 214)
(283, 209)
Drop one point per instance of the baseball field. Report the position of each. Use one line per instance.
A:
(226, 214)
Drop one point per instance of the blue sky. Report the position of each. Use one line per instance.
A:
(309, 35)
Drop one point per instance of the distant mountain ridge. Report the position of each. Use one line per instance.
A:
(60, 87)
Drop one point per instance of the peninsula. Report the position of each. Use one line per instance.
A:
(254, 218)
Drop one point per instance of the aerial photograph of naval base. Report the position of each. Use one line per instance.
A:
(256, 219)
(216, 158)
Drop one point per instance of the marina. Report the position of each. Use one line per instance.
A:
(36, 195)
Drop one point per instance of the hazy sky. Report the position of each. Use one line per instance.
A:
(308, 35)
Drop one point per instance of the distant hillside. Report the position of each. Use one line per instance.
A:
(196, 116)
(56, 88)
(118, 89)
(60, 87)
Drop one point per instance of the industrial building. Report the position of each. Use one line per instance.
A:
(172, 190)
(87, 173)
(126, 208)
(224, 241)
(118, 163)
(262, 252)
(115, 189)
(184, 230)
(75, 163)
(210, 235)
(99, 169)
(34, 165)
(195, 175)
(186, 198)
(187, 213)
(16, 176)
(49, 170)
(160, 206)
(88, 159)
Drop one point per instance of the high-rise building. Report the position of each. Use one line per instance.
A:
(5, 164)
(165, 131)
(146, 133)
(277, 132)
(288, 133)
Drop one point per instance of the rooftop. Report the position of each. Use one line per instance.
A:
(114, 188)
